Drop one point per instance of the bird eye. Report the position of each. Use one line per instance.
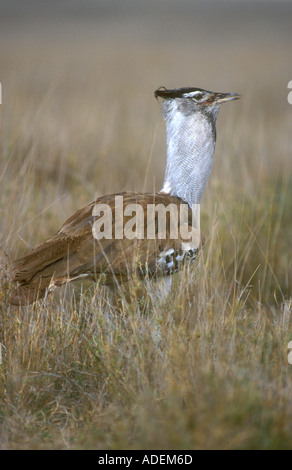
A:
(198, 97)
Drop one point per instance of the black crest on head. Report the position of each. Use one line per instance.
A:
(163, 92)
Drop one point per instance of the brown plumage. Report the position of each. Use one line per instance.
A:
(73, 252)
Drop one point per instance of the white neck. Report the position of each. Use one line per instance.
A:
(190, 149)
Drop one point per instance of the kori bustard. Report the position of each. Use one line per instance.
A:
(74, 252)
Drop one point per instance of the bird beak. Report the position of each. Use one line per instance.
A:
(224, 97)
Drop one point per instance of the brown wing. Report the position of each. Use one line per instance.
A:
(74, 252)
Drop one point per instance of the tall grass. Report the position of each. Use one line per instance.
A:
(205, 367)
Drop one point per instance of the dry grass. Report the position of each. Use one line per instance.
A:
(206, 367)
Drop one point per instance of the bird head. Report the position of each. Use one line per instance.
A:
(191, 100)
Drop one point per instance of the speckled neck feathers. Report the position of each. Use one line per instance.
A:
(190, 148)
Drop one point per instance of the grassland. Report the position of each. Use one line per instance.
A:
(207, 367)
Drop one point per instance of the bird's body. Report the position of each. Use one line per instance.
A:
(75, 251)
